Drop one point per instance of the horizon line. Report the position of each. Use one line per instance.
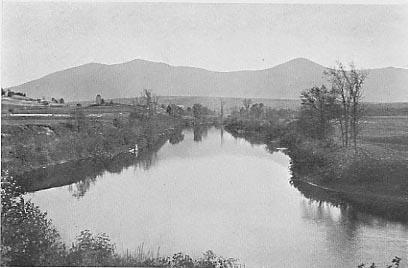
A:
(193, 67)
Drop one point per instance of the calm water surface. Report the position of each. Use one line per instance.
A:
(216, 192)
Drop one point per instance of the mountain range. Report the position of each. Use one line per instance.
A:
(125, 80)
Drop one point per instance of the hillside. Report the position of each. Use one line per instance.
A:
(284, 81)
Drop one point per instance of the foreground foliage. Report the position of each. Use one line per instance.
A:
(27, 235)
(28, 238)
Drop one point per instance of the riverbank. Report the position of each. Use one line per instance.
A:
(95, 132)
(132, 205)
(30, 146)
(373, 176)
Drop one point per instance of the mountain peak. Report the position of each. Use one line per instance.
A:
(302, 61)
(284, 81)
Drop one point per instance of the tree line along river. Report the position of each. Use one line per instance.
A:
(205, 190)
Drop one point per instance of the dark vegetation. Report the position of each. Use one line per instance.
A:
(81, 174)
(29, 147)
(257, 122)
(334, 144)
(28, 238)
(100, 137)
(327, 140)
(98, 132)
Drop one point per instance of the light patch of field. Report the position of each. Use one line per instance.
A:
(386, 136)
(385, 126)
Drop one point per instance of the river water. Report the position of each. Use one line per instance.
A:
(208, 190)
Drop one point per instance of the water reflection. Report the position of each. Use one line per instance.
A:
(81, 175)
(366, 213)
(232, 197)
(200, 131)
(176, 137)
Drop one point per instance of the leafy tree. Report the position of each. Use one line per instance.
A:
(200, 110)
(90, 250)
(28, 238)
(257, 110)
(317, 110)
(98, 99)
(197, 110)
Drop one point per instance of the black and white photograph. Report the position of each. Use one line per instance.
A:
(204, 134)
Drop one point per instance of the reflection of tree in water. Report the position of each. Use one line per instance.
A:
(145, 161)
(350, 212)
(176, 137)
(79, 189)
(81, 175)
(222, 134)
(115, 165)
(199, 132)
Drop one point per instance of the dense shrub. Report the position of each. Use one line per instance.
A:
(28, 237)
(90, 250)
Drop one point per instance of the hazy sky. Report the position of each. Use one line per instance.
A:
(41, 38)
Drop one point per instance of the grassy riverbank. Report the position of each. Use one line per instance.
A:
(374, 175)
(32, 146)
(35, 137)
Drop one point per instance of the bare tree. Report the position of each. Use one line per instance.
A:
(147, 100)
(347, 85)
(150, 101)
(357, 110)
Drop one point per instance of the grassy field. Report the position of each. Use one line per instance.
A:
(379, 169)
(386, 131)
(46, 115)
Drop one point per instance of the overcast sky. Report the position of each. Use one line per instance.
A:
(41, 38)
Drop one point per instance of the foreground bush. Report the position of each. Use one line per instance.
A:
(27, 236)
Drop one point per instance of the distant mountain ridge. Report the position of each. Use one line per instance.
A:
(284, 81)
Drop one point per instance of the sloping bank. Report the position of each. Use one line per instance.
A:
(373, 183)
(29, 147)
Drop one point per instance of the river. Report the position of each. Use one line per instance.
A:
(209, 190)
